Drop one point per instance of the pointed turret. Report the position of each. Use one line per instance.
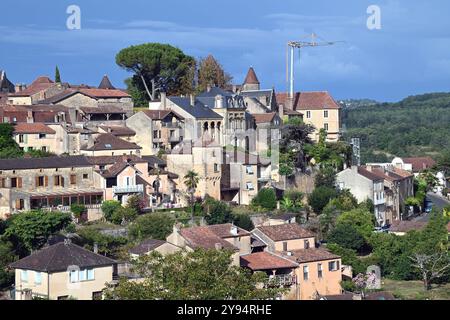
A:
(5, 84)
(251, 81)
(105, 83)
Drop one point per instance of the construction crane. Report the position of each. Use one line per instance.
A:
(291, 46)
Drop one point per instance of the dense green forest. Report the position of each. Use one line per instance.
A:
(416, 126)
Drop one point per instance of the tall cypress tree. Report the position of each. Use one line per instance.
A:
(57, 75)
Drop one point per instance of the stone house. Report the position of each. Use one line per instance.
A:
(107, 144)
(318, 108)
(364, 184)
(291, 259)
(52, 183)
(63, 271)
(156, 129)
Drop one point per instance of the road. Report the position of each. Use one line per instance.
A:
(439, 203)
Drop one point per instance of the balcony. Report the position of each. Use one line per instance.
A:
(139, 188)
(283, 280)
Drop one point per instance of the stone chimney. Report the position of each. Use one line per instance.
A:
(30, 118)
(163, 100)
(192, 100)
(95, 247)
(234, 230)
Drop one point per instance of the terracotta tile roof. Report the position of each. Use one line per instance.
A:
(251, 77)
(313, 100)
(264, 117)
(59, 257)
(223, 230)
(266, 261)
(405, 225)
(204, 237)
(39, 84)
(118, 130)
(385, 174)
(146, 246)
(208, 236)
(368, 174)
(288, 231)
(107, 141)
(402, 173)
(310, 255)
(420, 163)
(37, 127)
(104, 93)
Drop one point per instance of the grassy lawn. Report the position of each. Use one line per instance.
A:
(413, 290)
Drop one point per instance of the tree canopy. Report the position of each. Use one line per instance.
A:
(210, 72)
(156, 225)
(158, 67)
(197, 275)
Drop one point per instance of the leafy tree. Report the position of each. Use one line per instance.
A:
(107, 244)
(243, 221)
(265, 199)
(347, 236)
(57, 75)
(37, 153)
(345, 201)
(158, 67)
(320, 197)
(30, 230)
(360, 219)
(153, 225)
(217, 212)
(326, 177)
(210, 72)
(7, 256)
(431, 266)
(123, 215)
(8, 146)
(77, 209)
(198, 275)
(349, 257)
(109, 207)
(136, 203)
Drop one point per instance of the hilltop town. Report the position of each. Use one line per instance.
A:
(101, 187)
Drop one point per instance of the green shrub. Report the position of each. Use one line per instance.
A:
(108, 208)
(265, 199)
(153, 225)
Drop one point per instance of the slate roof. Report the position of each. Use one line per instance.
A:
(105, 83)
(266, 261)
(5, 84)
(310, 100)
(31, 128)
(288, 231)
(48, 162)
(199, 111)
(251, 77)
(152, 160)
(146, 246)
(59, 257)
(107, 141)
(105, 160)
(310, 255)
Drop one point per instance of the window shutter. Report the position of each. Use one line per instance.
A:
(17, 204)
(19, 182)
(46, 181)
(37, 181)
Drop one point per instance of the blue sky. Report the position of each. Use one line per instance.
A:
(409, 55)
